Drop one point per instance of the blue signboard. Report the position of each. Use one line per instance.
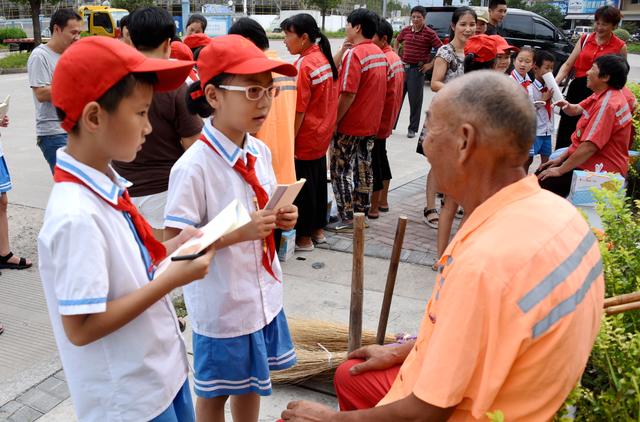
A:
(563, 5)
(589, 6)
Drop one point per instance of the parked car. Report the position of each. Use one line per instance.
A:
(519, 27)
(579, 31)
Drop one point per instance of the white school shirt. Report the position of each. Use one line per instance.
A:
(544, 122)
(89, 255)
(523, 81)
(238, 296)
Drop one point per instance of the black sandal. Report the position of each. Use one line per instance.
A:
(431, 217)
(21, 265)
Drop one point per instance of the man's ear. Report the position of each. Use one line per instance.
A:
(92, 117)
(212, 96)
(358, 28)
(605, 78)
(467, 141)
(166, 48)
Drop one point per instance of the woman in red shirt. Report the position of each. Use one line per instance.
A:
(316, 113)
(591, 46)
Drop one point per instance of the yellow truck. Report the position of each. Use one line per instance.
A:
(102, 20)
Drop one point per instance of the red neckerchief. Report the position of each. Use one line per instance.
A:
(525, 84)
(547, 105)
(248, 174)
(155, 248)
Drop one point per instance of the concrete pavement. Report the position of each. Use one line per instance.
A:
(32, 385)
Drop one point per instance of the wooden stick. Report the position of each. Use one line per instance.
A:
(357, 283)
(391, 279)
(621, 299)
(612, 310)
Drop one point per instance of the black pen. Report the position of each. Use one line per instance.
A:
(188, 257)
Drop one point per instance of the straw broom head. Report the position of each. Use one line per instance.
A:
(314, 363)
(307, 333)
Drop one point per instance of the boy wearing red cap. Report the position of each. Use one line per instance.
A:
(240, 331)
(362, 87)
(117, 333)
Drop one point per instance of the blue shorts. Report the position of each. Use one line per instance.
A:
(241, 365)
(5, 178)
(542, 146)
(181, 409)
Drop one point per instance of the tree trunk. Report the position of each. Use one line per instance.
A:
(35, 18)
(324, 12)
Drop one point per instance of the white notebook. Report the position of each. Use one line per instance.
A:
(233, 216)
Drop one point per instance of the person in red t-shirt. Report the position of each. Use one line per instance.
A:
(362, 87)
(590, 46)
(392, 104)
(316, 110)
(603, 132)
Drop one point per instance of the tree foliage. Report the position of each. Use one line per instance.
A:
(131, 5)
(550, 12)
(324, 6)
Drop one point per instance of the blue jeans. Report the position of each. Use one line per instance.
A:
(49, 144)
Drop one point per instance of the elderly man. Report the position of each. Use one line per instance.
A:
(519, 294)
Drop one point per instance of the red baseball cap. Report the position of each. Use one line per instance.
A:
(482, 46)
(92, 65)
(503, 46)
(180, 51)
(236, 55)
(194, 41)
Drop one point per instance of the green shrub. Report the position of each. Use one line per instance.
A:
(14, 61)
(623, 34)
(609, 388)
(6, 33)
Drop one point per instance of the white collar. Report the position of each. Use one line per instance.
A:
(539, 85)
(107, 187)
(519, 78)
(229, 151)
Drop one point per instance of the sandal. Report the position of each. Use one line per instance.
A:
(21, 265)
(373, 216)
(431, 217)
(1, 329)
(383, 209)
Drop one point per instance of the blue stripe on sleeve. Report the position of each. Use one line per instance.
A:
(180, 220)
(88, 301)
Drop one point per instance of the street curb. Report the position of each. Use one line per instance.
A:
(13, 71)
(17, 385)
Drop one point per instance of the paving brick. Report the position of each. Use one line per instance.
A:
(25, 414)
(9, 409)
(60, 375)
(56, 387)
(39, 400)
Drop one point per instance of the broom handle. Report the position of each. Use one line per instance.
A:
(391, 279)
(622, 299)
(357, 282)
(612, 310)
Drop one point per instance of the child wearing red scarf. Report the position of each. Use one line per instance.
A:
(114, 324)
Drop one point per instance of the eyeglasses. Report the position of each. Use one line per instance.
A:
(254, 92)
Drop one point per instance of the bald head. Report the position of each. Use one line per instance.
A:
(496, 105)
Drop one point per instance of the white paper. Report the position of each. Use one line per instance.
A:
(233, 216)
(284, 195)
(550, 82)
(4, 107)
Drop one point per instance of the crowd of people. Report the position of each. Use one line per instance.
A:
(176, 129)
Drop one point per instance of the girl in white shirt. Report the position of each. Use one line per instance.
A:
(240, 331)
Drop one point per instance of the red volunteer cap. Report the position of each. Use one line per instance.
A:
(92, 65)
(502, 46)
(180, 51)
(237, 55)
(482, 46)
(196, 40)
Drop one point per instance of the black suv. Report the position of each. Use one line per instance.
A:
(519, 28)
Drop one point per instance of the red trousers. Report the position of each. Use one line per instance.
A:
(362, 391)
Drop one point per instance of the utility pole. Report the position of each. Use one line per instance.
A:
(384, 8)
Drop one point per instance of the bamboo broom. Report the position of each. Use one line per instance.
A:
(318, 362)
(307, 333)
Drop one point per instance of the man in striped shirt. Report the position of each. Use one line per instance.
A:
(362, 88)
(418, 40)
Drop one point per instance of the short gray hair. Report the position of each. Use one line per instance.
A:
(501, 106)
